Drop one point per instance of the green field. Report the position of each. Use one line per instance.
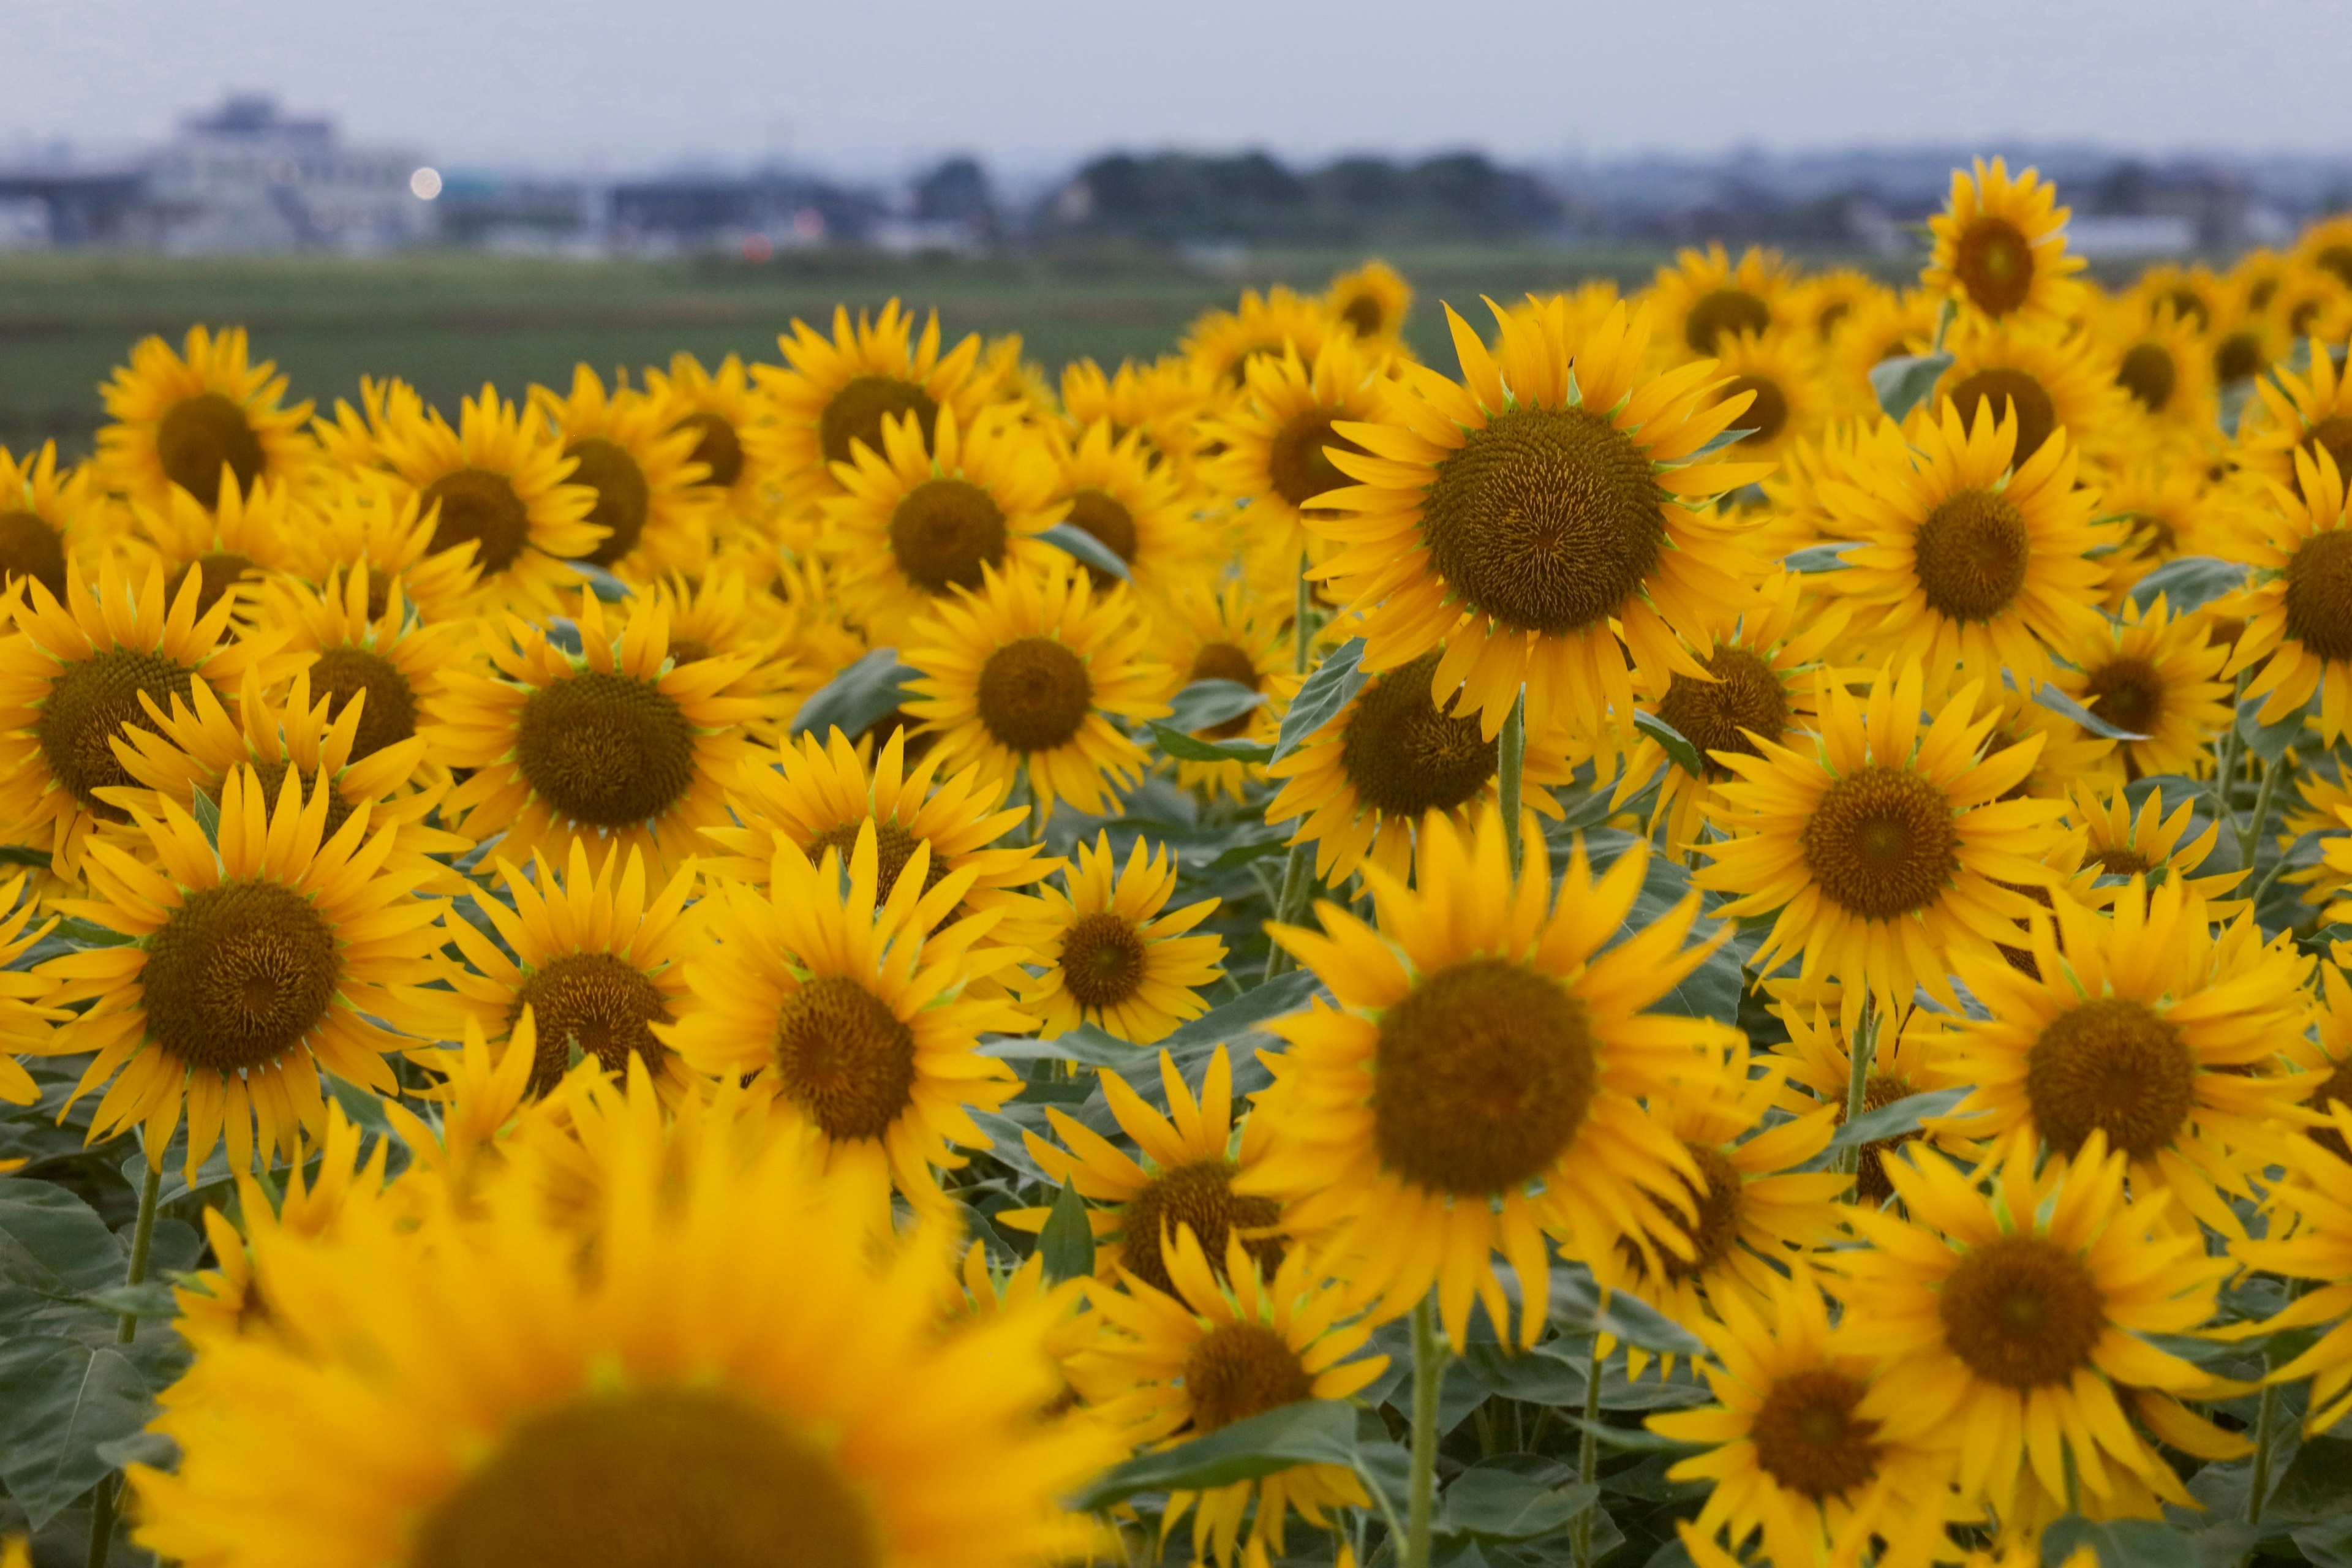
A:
(449, 321)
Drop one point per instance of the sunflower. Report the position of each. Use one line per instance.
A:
(1702, 295)
(254, 962)
(1529, 518)
(2242, 344)
(26, 1017)
(2151, 673)
(1818, 1062)
(2066, 752)
(2016, 1321)
(1131, 507)
(2143, 1032)
(377, 653)
(1219, 1345)
(631, 449)
(2168, 510)
(498, 485)
(1825, 300)
(2001, 247)
(835, 395)
(1190, 1158)
(1275, 437)
(1028, 674)
(1163, 400)
(1967, 553)
(1230, 633)
(857, 1012)
(1372, 301)
(234, 549)
(2113, 842)
(1811, 1445)
(2301, 415)
(1111, 958)
(1883, 849)
(72, 676)
(2316, 1245)
(374, 528)
(2298, 603)
(720, 613)
(734, 428)
(355, 439)
(2051, 379)
(2166, 367)
(1782, 369)
(181, 419)
(1221, 343)
(615, 743)
(1481, 1080)
(45, 516)
(583, 1417)
(1883, 325)
(1373, 776)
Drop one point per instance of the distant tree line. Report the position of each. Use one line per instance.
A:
(1167, 196)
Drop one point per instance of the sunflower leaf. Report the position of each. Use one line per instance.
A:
(2119, 1543)
(1176, 742)
(1578, 1305)
(60, 1402)
(2268, 742)
(1901, 381)
(1078, 542)
(1068, 1242)
(207, 816)
(1677, 745)
(1207, 702)
(853, 700)
(1312, 1432)
(1500, 1499)
(1725, 438)
(1818, 558)
(1894, 1121)
(2057, 701)
(2188, 582)
(1331, 688)
(603, 584)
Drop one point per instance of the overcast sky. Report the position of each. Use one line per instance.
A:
(629, 84)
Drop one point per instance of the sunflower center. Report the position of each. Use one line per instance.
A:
(1110, 523)
(856, 413)
(2332, 435)
(622, 496)
(479, 506)
(1482, 1076)
(2149, 374)
(894, 847)
(2128, 693)
(197, 436)
(1768, 415)
(2022, 1310)
(1722, 311)
(1296, 463)
(1226, 661)
(388, 716)
(1403, 755)
(1201, 1195)
(1716, 1226)
(688, 650)
(238, 975)
(2111, 1064)
(90, 702)
(2120, 862)
(1363, 316)
(2319, 594)
(1995, 265)
(605, 749)
(845, 1057)
(1712, 715)
(652, 1478)
(1878, 1092)
(2336, 258)
(216, 573)
(943, 532)
(1971, 555)
(914, 740)
(1242, 1370)
(2154, 534)
(2335, 1088)
(2238, 356)
(1881, 843)
(1547, 520)
(717, 448)
(1808, 1438)
(2012, 393)
(1102, 960)
(31, 548)
(271, 775)
(1034, 694)
(595, 1001)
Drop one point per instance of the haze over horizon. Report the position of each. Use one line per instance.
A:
(1036, 84)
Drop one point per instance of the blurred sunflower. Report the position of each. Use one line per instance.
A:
(183, 419)
(1781, 369)
(234, 549)
(1221, 343)
(2168, 510)
(2301, 417)
(45, 516)
(2000, 246)
(2049, 379)
(832, 395)
(376, 654)
(1883, 325)
(1702, 295)
(2298, 603)
(2114, 842)
(1110, 956)
(1228, 633)
(376, 529)
(734, 427)
(1275, 439)
(2162, 362)
(1164, 400)
(2152, 674)
(633, 450)
(1371, 301)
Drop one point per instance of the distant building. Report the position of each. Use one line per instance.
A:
(246, 178)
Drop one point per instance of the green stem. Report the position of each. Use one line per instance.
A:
(1297, 882)
(1863, 1051)
(1300, 639)
(142, 1241)
(1428, 1380)
(1510, 764)
(2265, 1447)
(1587, 1452)
(2229, 751)
(2249, 838)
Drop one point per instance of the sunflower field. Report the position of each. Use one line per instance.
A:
(1710, 940)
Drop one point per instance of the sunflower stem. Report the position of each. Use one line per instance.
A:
(2228, 750)
(1587, 1452)
(2249, 838)
(1511, 763)
(1297, 882)
(2265, 1445)
(1861, 1053)
(1428, 1379)
(1301, 642)
(126, 1329)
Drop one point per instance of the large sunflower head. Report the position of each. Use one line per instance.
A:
(630, 448)
(1276, 435)
(2049, 379)
(2298, 605)
(1114, 955)
(2001, 247)
(733, 427)
(45, 516)
(1705, 296)
(835, 395)
(186, 419)
(1221, 343)
(1372, 301)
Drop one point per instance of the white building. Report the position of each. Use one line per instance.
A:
(246, 177)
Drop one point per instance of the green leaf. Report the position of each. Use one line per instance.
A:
(207, 816)
(2268, 742)
(1894, 1121)
(1068, 1238)
(1331, 687)
(2188, 582)
(1818, 558)
(1576, 1307)
(1498, 1499)
(1628, 1439)
(1312, 1432)
(152, 1300)
(1175, 742)
(2120, 1543)
(1677, 745)
(2057, 701)
(1725, 438)
(1207, 702)
(1070, 537)
(1901, 381)
(1087, 1044)
(603, 584)
(81, 933)
(60, 1402)
(852, 700)
(61, 1235)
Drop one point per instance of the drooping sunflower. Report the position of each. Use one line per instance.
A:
(255, 963)
(2015, 1321)
(2152, 674)
(1027, 675)
(733, 427)
(1538, 522)
(2050, 378)
(856, 1011)
(45, 516)
(2298, 605)
(1230, 635)
(615, 743)
(1110, 956)
(2166, 367)
(234, 549)
(928, 510)
(1968, 553)
(1109, 488)
(498, 485)
(2115, 843)
(2142, 1032)
(834, 394)
(1703, 295)
(1221, 343)
(1219, 1345)
(583, 1416)
(2001, 247)
(1880, 849)
(72, 674)
(1811, 1445)
(1275, 436)
(180, 419)
(1371, 301)
(633, 450)
(1481, 1081)
(2300, 415)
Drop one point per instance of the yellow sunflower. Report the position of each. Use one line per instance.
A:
(1274, 437)
(1883, 325)
(234, 549)
(2114, 842)
(2166, 367)
(2143, 1032)
(374, 528)
(734, 428)
(376, 653)
(1538, 522)
(1703, 295)
(45, 516)
(2066, 752)
(835, 395)
(1027, 676)
(255, 963)
(2244, 342)
(25, 1015)
(2192, 292)
(1164, 400)
(631, 449)
(2310, 1238)
(2001, 247)
(1782, 369)
(1818, 1062)
(72, 676)
(2298, 605)
(2151, 673)
(1220, 1345)
(1825, 300)
(720, 613)
(615, 743)
(2168, 510)
(1230, 633)
(2301, 415)
(1879, 851)
(181, 419)
(1111, 958)
(1372, 301)
(1221, 343)
(1481, 1080)
(1133, 508)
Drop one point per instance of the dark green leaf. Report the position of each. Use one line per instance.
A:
(1175, 742)
(79, 933)
(59, 1400)
(1330, 688)
(852, 700)
(1576, 1307)
(1677, 745)
(2120, 1543)
(2268, 742)
(1901, 381)
(1006, 1143)
(1207, 702)
(1067, 1241)
(2057, 701)
(1817, 558)
(1285, 994)
(63, 1235)
(1312, 1432)
(207, 816)
(152, 1300)
(1070, 537)
(1894, 1121)
(2188, 582)
(1627, 1439)
(1498, 1500)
